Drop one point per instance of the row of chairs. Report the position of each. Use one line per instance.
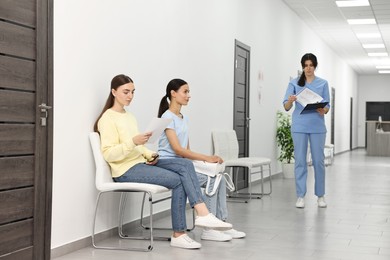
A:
(225, 145)
(328, 155)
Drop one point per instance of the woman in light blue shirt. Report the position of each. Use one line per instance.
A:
(174, 143)
(308, 127)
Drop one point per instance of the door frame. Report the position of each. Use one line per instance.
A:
(242, 183)
(44, 134)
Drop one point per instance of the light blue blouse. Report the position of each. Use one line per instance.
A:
(180, 125)
(308, 122)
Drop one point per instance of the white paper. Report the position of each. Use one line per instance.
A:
(307, 96)
(157, 126)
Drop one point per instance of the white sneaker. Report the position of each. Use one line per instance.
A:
(184, 241)
(235, 233)
(210, 221)
(300, 203)
(321, 202)
(215, 235)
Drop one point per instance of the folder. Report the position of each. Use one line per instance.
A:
(314, 106)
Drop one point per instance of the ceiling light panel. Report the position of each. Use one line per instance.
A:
(378, 54)
(383, 67)
(352, 3)
(361, 21)
(368, 35)
(373, 46)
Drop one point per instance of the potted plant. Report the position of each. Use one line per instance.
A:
(285, 143)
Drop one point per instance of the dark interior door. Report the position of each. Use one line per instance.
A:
(332, 115)
(351, 125)
(25, 129)
(241, 105)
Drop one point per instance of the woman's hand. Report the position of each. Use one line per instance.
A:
(214, 159)
(153, 160)
(322, 111)
(292, 99)
(142, 138)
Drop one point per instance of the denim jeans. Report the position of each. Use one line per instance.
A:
(176, 174)
(217, 202)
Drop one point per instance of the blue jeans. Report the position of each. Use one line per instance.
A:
(216, 203)
(317, 145)
(176, 174)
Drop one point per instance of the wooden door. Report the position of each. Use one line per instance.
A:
(25, 137)
(241, 105)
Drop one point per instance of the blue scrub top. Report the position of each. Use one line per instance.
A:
(308, 122)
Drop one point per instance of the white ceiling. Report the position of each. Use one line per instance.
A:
(330, 22)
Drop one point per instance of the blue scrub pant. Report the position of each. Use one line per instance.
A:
(317, 145)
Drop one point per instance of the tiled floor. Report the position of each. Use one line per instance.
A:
(356, 224)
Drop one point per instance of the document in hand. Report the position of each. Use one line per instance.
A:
(310, 100)
(157, 126)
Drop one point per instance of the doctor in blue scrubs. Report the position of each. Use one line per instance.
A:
(308, 128)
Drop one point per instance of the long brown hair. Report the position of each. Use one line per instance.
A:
(116, 82)
(313, 59)
(175, 85)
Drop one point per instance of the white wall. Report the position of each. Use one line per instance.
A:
(154, 41)
(371, 89)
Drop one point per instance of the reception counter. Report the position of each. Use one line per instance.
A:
(378, 138)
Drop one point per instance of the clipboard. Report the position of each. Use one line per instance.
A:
(314, 106)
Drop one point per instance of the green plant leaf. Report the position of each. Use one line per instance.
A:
(283, 137)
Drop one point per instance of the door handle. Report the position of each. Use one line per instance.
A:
(247, 121)
(44, 109)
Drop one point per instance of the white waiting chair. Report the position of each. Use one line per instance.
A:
(226, 146)
(105, 184)
(328, 155)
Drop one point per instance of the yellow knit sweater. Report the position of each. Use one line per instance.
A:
(116, 134)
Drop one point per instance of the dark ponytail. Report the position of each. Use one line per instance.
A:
(116, 82)
(174, 85)
(302, 79)
(164, 106)
(313, 59)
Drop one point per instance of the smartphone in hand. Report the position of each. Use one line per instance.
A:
(154, 157)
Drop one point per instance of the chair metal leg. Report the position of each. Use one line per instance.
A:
(121, 213)
(249, 195)
(246, 195)
(144, 226)
(150, 227)
(235, 195)
(270, 180)
(121, 208)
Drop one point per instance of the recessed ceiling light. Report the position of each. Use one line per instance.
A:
(378, 54)
(352, 3)
(361, 21)
(368, 35)
(373, 46)
(381, 67)
(384, 71)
